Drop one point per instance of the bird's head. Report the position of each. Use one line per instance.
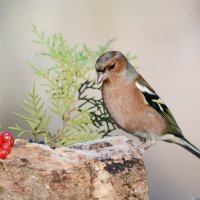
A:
(110, 65)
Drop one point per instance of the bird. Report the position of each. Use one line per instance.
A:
(134, 106)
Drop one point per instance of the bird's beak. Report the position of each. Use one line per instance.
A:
(100, 77)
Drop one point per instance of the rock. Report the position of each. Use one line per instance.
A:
(106, 169)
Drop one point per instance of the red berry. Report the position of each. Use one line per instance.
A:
(1, 141)
(6, 147)
(7, 138)
(3, 153)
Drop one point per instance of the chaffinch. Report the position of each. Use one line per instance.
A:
(134, 106)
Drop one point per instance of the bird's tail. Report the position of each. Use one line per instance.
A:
(190, 147)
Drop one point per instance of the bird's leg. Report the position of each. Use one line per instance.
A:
(142, 140)
(137, 150)
(140, 146)
(145, 143)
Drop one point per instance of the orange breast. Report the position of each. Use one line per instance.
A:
(127, 106)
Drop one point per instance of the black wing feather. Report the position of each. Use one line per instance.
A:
(156, 102)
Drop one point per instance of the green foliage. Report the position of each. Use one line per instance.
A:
(66, 83)
(35, 116)
(98, 114)
(71, 67)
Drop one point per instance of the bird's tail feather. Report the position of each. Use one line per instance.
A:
(190, 147)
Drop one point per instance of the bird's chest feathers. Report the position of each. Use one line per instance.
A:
(122, 103)
(127, 106)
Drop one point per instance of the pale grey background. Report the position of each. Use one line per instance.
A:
(164, 34)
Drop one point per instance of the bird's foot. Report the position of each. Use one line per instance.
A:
(141, 146)
(138, 150)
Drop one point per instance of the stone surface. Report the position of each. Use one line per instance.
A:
(107, 169)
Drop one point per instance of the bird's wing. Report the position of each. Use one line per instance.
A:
(155, 101)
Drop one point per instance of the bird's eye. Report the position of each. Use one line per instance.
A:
(111, 66)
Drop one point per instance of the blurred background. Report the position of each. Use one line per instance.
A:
(164, 34)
